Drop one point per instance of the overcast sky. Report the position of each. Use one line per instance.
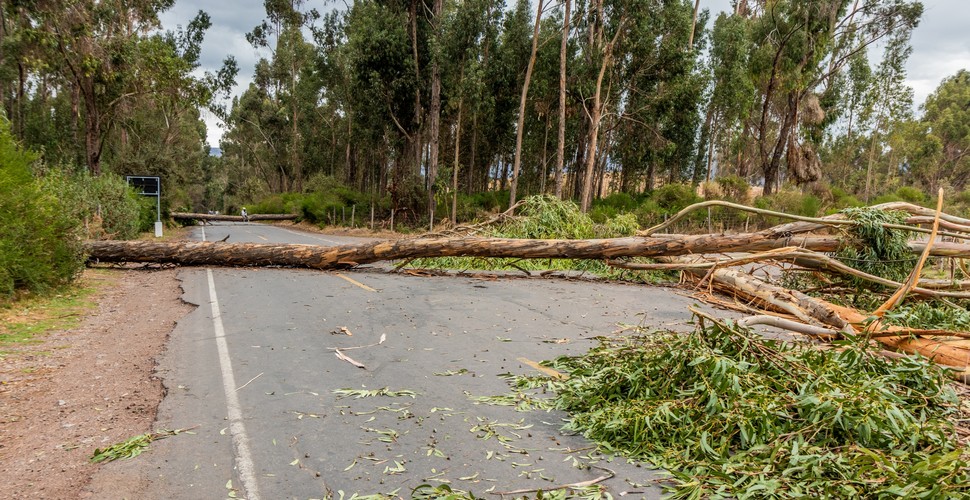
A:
(941, 43)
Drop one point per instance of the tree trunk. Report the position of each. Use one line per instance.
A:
(773, 167)
(545, 160)
(435, 113)
(320, 257)
(561, 144)
(233, 218)
(517, 161)
(822, 313)
(594, 123)
(92, 136)
(454, 173)
(418, 113)
(693, 25)
(472, 155)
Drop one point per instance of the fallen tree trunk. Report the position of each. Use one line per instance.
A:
(317, 257)
(233, 218)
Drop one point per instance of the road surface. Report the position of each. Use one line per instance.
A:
(279, 415)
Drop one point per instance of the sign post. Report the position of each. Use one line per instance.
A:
(149, 186)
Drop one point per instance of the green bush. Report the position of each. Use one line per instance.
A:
(735, 188)
(612, 206)
(903, 193)
(674, 197)
(40, 243)
(841, 199)
(619, 226)
(912, 195)
(649, 214)
(105, 205)
(323, 197)
(791, 202)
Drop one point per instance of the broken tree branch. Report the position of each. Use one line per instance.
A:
(793, 255)
(787, 324)
(806, 224)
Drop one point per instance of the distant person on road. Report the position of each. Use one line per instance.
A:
(245, 215)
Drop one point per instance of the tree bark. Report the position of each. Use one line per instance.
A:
(235, 218)
(561, 144)
(693, 25)
(435, 114)
(586, 198)
(318, 257)
(454, 173)
(517, 162)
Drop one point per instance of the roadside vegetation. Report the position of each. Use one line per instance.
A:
(47, 211)
(25, 321)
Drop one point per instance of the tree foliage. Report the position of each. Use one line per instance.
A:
(412, 102)
(40, 242)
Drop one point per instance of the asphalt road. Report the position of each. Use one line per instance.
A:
(254, 368)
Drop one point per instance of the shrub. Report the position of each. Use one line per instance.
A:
(621, 225)
(735, 188)
(40, 244)
(622, 202)
(613, 205)
(912, 195)
(674, 197)
(105, 205)
(649, 213)
(791, 202)
(841, 199)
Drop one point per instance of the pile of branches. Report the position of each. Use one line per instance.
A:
(731, 414)
(877, 245)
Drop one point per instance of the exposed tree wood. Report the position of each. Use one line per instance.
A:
(807, 309)
(826, 244)
(239, 254)
(777, 298)
(316, 257)
(235, 218)
(797, 256)
(940, 352)
(787, 324)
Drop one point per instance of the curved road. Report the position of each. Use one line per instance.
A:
(254, 368)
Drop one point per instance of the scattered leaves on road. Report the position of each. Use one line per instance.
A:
(134, 446)
(369, 393)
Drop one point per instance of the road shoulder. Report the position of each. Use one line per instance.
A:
(86, 387)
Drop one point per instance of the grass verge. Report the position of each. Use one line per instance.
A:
(30, 318)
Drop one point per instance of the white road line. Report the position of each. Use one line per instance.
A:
(240, 440)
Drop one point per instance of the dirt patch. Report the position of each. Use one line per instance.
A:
(85, 387)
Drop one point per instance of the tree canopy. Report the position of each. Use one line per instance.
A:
(414, 101)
